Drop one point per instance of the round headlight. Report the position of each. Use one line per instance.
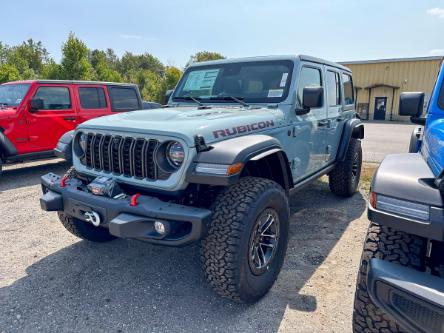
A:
(175, 154)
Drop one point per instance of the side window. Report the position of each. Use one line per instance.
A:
(349, 92)
(333, 88)
(309, 77)
(54, 98)
(123, 99)
(92, 98)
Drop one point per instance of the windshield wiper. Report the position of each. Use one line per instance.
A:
(190, 98)
(231, 98)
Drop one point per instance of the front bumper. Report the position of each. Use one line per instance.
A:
(187, 224)
(414, 299)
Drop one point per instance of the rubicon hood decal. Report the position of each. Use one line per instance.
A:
(243, 129)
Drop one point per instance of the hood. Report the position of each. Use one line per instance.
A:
(214, 124)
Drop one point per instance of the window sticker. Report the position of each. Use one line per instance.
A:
(275, 93)
(283, 80)
(201, 80)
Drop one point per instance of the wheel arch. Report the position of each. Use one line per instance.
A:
(7, 148)
(260, 156)
(353, 128)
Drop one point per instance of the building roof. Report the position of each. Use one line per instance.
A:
(359, 62)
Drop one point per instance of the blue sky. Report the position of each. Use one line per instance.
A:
(172, 30)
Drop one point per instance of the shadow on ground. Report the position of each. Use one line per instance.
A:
(28, 174)
(127, 285)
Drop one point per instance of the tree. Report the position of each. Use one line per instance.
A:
(75, 63)
(150, 85)
(204, 56)
(8, 73)
(172, 76)
(146, 61)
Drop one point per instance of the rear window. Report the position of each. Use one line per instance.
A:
(123, 99)
(349, 94)
(54, 98)
(333, 88)
(92, 98)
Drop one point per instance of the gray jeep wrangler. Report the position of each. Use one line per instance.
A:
(216, 165)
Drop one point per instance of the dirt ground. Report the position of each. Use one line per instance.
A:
(52, 281)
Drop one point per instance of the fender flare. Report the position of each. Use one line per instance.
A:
(244, 149)
(353, 128)
(7, 148)
(64, 146)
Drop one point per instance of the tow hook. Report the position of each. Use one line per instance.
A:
(93, 218)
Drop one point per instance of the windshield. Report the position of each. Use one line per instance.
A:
(12, 94)
(251, 82)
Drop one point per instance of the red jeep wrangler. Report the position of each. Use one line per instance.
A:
(35, 114)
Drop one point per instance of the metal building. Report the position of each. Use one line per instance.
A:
(378, 84)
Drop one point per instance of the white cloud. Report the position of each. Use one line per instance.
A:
(437, 52)
(436, 12)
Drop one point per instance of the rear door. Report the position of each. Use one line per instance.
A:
(58, 116)
(333, 128)
(92, 101)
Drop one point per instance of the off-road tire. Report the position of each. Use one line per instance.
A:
(390, 245)
(344, 178)
(225, 250)
(84, 229)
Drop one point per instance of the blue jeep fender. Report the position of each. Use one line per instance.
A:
(64, 146)
(353, 128)
(261, 156)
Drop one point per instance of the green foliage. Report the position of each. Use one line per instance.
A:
(30, 60)
(8, 73)
(75, 62)
(204, 56)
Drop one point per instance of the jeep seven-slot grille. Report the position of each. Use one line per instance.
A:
(126, 156)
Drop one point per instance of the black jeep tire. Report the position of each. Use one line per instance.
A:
(344, 178)
(84, 229)
(390, 245)
(235, 237)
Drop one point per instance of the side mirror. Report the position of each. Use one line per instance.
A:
(312, 98)
(168, 94)
(411, 104)
(36, 104)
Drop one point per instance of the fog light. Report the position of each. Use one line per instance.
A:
(161, 227)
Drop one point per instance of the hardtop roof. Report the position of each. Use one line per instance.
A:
(271, 58)
(78, 82)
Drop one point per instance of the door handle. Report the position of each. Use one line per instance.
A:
(70, 118)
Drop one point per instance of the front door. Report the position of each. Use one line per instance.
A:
(380, 107)
(308, 135)
(58, 116)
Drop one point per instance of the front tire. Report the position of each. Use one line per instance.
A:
(344, 178)
(245, 248)
(83, 229)
(394, 246)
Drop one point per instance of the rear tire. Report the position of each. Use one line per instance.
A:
(344, 178)
(390, 245)
(246, 216)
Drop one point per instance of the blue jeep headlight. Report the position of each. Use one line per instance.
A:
(175, 154)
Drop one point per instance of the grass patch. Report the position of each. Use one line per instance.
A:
(367, 172)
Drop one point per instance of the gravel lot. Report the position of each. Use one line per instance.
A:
(52, 281)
